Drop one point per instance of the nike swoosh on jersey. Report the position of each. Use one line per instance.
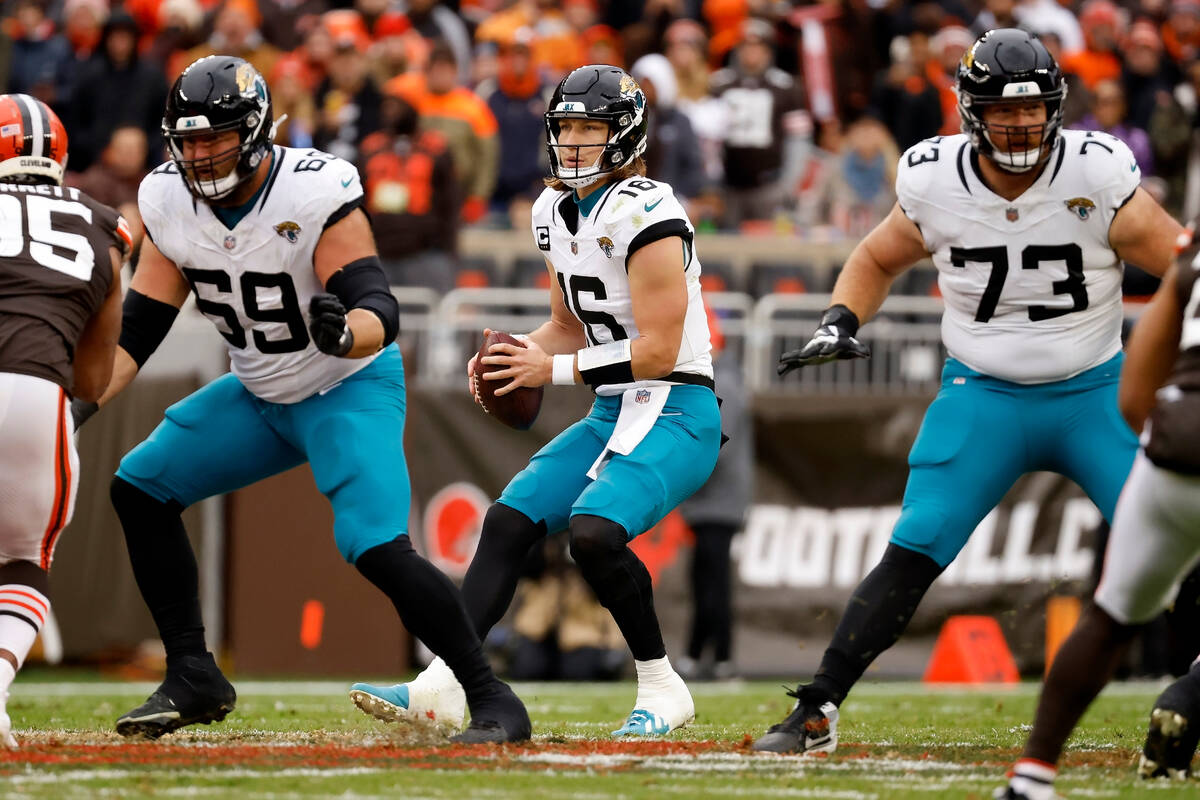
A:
(650, 206)
(346, 182)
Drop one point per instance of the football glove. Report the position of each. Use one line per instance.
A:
(327, 325)
(82, 410)
(833, 340)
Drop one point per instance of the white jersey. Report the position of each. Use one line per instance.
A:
(589, 255)
(1032, 287)
(255, 281)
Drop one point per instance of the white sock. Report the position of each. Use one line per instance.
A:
(1035, 779)
(437, 675)
(7, 673)
(23, 612)
(655, 677)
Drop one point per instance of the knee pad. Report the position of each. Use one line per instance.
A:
(595, 538)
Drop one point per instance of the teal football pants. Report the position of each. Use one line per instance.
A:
(636, 490)
(221, 438)
(981, 433)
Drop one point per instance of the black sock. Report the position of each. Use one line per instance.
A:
(164, 567)
(620, 581)
(878, 612)
(491, 579)
(431, 609)
(1083, 666)
(711, 591)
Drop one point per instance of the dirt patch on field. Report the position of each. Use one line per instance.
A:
(318, 751)
(270, 750)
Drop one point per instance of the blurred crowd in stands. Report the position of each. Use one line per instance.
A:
(768, 116)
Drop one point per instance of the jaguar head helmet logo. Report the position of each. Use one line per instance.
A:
(1081, 207)
(289, 230)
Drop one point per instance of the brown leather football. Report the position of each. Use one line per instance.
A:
(517, 409)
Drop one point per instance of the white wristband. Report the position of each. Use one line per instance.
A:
(562, 370)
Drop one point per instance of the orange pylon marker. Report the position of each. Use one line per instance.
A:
(971, 649)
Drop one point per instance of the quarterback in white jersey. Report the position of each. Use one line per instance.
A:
(1028, 226)
(626, 318)
(278, 252)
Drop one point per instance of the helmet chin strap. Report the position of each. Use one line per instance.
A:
(219, 188)
(1016, 163)
(582, 181)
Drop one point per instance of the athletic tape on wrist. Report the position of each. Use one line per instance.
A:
(562, 369)
(610, 363)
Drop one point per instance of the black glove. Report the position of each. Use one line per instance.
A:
(832, 341)
(328, 326)
(81, 410)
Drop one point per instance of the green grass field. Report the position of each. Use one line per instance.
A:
(305, 739)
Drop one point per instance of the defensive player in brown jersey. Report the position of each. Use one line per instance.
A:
(60, 316)
(1155, 543)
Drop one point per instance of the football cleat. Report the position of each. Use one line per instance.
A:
(810, 728)
(1170, 744)
(433, 699)
(660, 712)
(1030, 793)
(6, 737)
(194, 692)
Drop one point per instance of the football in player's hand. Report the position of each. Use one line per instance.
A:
(516, 409)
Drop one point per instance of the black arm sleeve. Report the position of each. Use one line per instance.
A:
(362, 284)
(144, 324)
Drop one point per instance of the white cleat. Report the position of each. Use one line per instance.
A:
(432, 699)
(658, 712)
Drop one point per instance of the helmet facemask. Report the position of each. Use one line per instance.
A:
(609, 159)
(216, 176)
(1019, 157)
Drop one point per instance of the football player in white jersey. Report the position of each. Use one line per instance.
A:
(1027, 225)
(626, 319)
(1155, 542)
(275, 246)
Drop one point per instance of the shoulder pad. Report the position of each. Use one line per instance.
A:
(545, 201)
(640, 196)
(1107, 159)
(920, 165)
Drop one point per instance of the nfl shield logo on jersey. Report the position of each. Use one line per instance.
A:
(289, 230)
(1011, 214)
(642, 397)
(230, 242)
(574, 248)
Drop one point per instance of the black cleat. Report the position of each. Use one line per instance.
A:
(193, 692)
(810, 728)
(500, 718)
(1174, 730)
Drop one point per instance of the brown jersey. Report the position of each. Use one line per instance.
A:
(1174, 428)
(55, 270)
(760, 113)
